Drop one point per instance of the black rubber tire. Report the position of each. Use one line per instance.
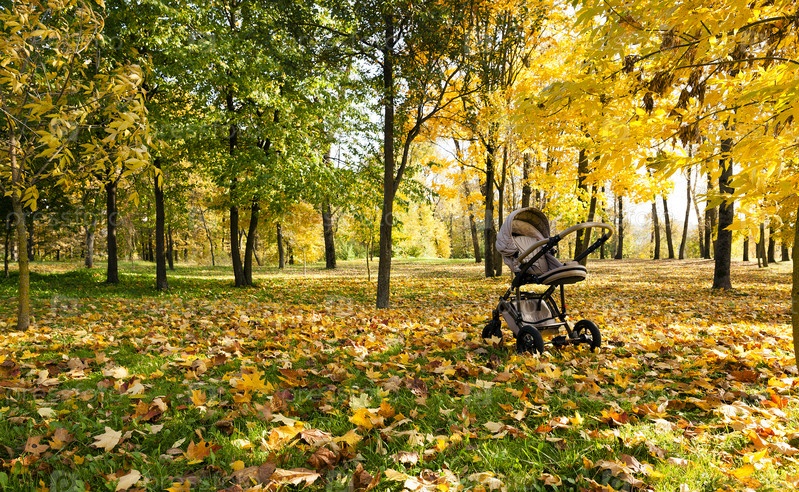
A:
(529, 339)
(493, 329)
(591, 332)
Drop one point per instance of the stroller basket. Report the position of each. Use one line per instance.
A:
(528, 248)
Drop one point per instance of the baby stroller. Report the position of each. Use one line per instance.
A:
(528, 249)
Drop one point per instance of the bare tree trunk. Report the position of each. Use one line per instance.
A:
(785, 254)
(489, 232)
(582, 193)
(91, 229)
(526, 189)
(723, 247)
(620, 231)
(772, 246)
(501, 209)
(389, 164)
(710, 222)
(249, 245)
(161, 283)
(475, 238)
(329, 233)
(472, 222)
(7, 249)
(281, 252)
(170, 249)
(795, 289)
(667, 223)
(684, 239)
(235, 247)
(208, 235)
(700, 223)
(746, 248)
(762, 259)
(24, 290)
(112, 269)
(656, 230)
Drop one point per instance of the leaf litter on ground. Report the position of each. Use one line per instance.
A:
(301, 383)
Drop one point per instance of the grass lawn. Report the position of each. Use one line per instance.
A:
(301, 384)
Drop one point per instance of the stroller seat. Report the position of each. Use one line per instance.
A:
(548, 269)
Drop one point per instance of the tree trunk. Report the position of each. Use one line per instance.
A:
(583, 196)
(88, 260)
(489, 232)
(785, 254)
(746, 248)
(762, 259)
(710, 222)
(684, 238)
(31, 227)
(235, 247)
(795, 290)
(667, 223)
(208, 235)
(170, 249)
(249, 246)
(501, 209)
(7, 249)
(700, 223)
(329, 234)
(24, 290)
(389, 190)
(112, 269)
(723, 246)
(23, 294)
(281, 251)
(656, 230)
(526, 190)
(772, 246)
(472, 222)
(475, 238)
(620, 231)
(161, 283)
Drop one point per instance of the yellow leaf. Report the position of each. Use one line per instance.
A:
(363, 417)
(197, 452)
(237, 465)
(352, 438)
(198, 397)
(180, 487)
(743, 472)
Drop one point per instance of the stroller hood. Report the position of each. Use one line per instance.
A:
(529, 222)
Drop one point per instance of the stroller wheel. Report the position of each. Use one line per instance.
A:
(529, 339)
(588, 332)
(493, 329)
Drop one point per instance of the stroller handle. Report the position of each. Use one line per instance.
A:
(588, 225)
(557, 237)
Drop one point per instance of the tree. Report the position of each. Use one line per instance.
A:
(419, 52)
(50, 97)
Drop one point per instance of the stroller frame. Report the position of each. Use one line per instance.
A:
(550, 316)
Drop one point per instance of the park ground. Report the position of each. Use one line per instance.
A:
(301, 384)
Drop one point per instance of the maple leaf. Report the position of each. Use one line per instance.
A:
(252, 380)
(127, 481)
(33, 445)
(196, 453)
(107, 440)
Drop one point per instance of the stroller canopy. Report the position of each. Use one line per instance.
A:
(518, 233)
(529, 222)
